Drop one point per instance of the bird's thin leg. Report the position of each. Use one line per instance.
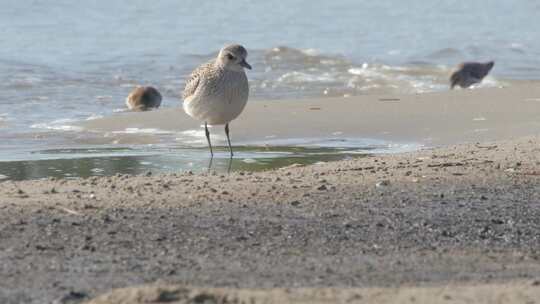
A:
(230, 165)
(208, 139)
(228, 139)
(210, 164)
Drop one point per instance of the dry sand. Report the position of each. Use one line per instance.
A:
(459, 222)
(525, 292)
(462, 215)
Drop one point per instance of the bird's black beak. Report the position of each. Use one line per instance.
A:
(245, 64)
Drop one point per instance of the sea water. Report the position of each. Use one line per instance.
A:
(65, 61)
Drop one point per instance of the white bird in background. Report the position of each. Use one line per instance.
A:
(217, 91)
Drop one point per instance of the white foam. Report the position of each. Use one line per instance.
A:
(488, 82)
(104, 97)
(58, 125)
(197, 137)
(368, 72)
(300, 77)
(324, 142)
(142, 131)
(193, 133)
(94, 116)
(310, 52)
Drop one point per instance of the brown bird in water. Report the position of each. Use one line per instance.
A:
(143, 99)
(469, 73)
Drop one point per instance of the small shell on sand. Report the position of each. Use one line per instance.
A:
(143, 99)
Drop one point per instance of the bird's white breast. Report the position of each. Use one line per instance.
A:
(219, 100)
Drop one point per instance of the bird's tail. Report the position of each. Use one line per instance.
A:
(454, 80)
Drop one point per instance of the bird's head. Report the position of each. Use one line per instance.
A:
(233, 57)
(489, 65)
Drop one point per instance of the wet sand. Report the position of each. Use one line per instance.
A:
(429, 119)
(428, 224)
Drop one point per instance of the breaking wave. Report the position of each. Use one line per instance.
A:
(296, 73)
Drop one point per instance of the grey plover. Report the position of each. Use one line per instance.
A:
(469, 73)
(217, 91)
(143, 99)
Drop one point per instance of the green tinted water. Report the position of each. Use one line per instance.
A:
(72, 163)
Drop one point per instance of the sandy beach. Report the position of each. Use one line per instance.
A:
(365, 169)
(430, 119)
(456, 223)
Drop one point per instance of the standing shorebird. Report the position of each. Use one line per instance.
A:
(143, 99)
(469, 73)
(217, 91)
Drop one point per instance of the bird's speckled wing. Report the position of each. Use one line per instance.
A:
(195, 79)
(478, 71)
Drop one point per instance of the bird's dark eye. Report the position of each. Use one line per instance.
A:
(230, 57)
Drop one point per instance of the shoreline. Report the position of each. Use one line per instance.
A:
(430, 119)
(167, 140)
(462, 214)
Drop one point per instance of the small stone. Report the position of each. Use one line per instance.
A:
(322, 188)
(497, 221)
(382, 183)
(408, 173)
(40, 247)
(295, 203)
(72, 296)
